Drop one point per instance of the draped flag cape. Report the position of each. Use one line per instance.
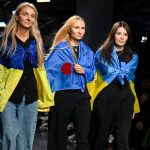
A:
(11, 70)
(60, 67)
(106, 73)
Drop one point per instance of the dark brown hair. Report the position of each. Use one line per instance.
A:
(107, 46)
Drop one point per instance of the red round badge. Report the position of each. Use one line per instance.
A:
(66, 68)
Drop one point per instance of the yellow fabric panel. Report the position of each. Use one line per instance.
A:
(95, 86)
(45, 95)
(136, 103)
(9, 79)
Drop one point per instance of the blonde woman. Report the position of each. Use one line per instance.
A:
(23, 79)
(69, 67)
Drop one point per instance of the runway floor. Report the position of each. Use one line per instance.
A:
(40, 141)
(41, 135)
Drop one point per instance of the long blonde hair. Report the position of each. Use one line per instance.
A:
(63, 32)
(11, 28)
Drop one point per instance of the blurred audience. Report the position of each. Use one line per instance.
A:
(138, 138)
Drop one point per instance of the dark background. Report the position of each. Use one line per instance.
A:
(99, 16)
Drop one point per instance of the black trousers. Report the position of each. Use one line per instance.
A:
(112, 107)
(69, 104)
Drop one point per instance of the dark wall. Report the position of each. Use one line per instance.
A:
(137, 14)
(98, 15)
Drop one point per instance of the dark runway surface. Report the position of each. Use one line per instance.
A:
(40, 141)
(41, 135)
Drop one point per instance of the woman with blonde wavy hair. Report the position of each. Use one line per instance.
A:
(64, 32)
(69, 68)
(12, 28)
(23, 79)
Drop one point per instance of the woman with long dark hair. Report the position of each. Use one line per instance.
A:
(115, 96)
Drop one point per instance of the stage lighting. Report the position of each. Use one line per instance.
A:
(2, 24)
(13, 12)
(143, 39)
(42, 1)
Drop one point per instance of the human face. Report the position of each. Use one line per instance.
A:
(77, 30)
(121, 37)
(26, 17)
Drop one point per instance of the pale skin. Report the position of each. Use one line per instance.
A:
(121, 37)
(25, 20)
(77, 32)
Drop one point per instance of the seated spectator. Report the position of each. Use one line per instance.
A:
(141, 121)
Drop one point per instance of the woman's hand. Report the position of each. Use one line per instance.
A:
(79, 69)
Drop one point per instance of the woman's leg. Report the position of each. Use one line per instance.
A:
(123, 119)
(103, 115)
(10, 126)
(28, 119)
(82, 125)
(58, 120)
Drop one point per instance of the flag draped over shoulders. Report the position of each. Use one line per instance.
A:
(60, 67)
(106, 73)
(12, 68)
